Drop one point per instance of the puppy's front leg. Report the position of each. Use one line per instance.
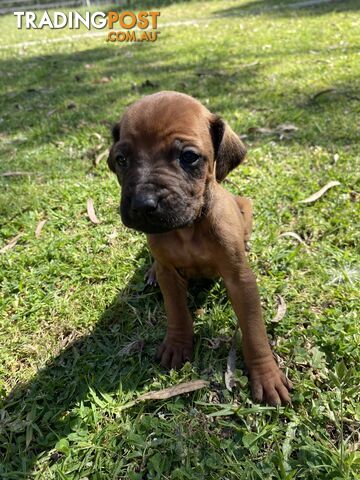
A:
(268, 383)
(177, 346)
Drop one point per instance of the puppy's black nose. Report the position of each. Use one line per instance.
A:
(144, 203)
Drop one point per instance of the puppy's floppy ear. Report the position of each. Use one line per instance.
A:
(229, 150)
(116, 132)
(116, 137)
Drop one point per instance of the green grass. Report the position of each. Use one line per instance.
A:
(74, 298)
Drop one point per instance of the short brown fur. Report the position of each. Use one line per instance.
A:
(195, 228)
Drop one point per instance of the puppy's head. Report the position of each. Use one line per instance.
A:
(168, 150)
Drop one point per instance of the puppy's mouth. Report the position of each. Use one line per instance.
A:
(147, 226)
(156, 217)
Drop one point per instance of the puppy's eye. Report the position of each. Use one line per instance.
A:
(120, 159)
(189, 158)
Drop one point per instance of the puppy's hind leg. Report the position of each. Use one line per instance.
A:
(245, 207)
(150, 276)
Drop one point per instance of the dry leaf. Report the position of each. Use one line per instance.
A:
(320, 192)
(281, 310)
(262, 130)
(14, 174)
(39, 228)
(231, 364)
(99, 157)
(286, 128)
(91, 212)
(98, 136)
(249, 65)
(283, 130)
(11, 243)
(294, 235)
(132, 347)
(102, 80)
(179, 389)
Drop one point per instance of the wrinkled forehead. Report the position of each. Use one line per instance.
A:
(156, 123)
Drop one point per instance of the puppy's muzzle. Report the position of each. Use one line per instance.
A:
(151, 212)
(141, 210)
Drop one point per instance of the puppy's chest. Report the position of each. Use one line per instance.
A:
(194, 258)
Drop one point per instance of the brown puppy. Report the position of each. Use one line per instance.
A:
(169, 154)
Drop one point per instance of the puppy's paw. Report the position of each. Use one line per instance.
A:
(150, 276)
(269, 384)
(173, 355)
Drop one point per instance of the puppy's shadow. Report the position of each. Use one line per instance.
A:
(116, 356)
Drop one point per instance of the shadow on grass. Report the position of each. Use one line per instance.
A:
(58, 95)
(66, 96)
(287, 8)
(117, 358)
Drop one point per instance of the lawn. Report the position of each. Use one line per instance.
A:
(78, 326)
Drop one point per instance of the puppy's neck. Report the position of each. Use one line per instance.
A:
(209, 194)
